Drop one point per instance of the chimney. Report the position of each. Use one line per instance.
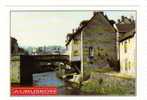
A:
(132, 19)
(118, 21)
(101, 12)
(73, 30)
(95, 13)
(98, 12)
(76, 30)
(122, 18)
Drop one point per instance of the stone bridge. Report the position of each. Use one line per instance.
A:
(23, 66)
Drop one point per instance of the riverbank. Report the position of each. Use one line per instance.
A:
(99, 83)
(109, 84)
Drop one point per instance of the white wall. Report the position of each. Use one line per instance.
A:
(74, 50)
(128, 59)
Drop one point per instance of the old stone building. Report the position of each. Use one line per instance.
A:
(99, 43)
(93, 43)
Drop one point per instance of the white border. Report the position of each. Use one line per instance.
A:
(5, 55)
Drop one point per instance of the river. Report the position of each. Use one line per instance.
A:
(50, 79)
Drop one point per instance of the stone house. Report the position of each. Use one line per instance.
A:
(93, 43)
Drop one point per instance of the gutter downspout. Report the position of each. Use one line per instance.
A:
(81, 49)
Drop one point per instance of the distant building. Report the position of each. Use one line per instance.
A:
(93, 44)
(46, 50)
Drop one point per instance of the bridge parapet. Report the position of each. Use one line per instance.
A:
(23, 66)
(15, 69)
(57, 58)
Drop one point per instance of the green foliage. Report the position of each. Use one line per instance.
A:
(100, 88)
(113, 90)
(89, 70)
(89, 86)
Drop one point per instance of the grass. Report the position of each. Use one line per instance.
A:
(89, 86)
(102, 86)
(89, 70)
(97, 87)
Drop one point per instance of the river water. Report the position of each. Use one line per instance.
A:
(50, 79)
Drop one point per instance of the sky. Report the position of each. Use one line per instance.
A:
(47, 28)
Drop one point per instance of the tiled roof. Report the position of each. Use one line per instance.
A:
(123, 28)
(127, 35)
(103, 21)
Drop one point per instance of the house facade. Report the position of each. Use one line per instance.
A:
(73, 46)
(99, 43)
(128, 53)
(93, 43)
(127, 45)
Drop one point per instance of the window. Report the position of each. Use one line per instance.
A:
(91, 52)
(125, 47)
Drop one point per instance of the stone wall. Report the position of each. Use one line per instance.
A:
(107, 84)
(101, 37)
(15, 69)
